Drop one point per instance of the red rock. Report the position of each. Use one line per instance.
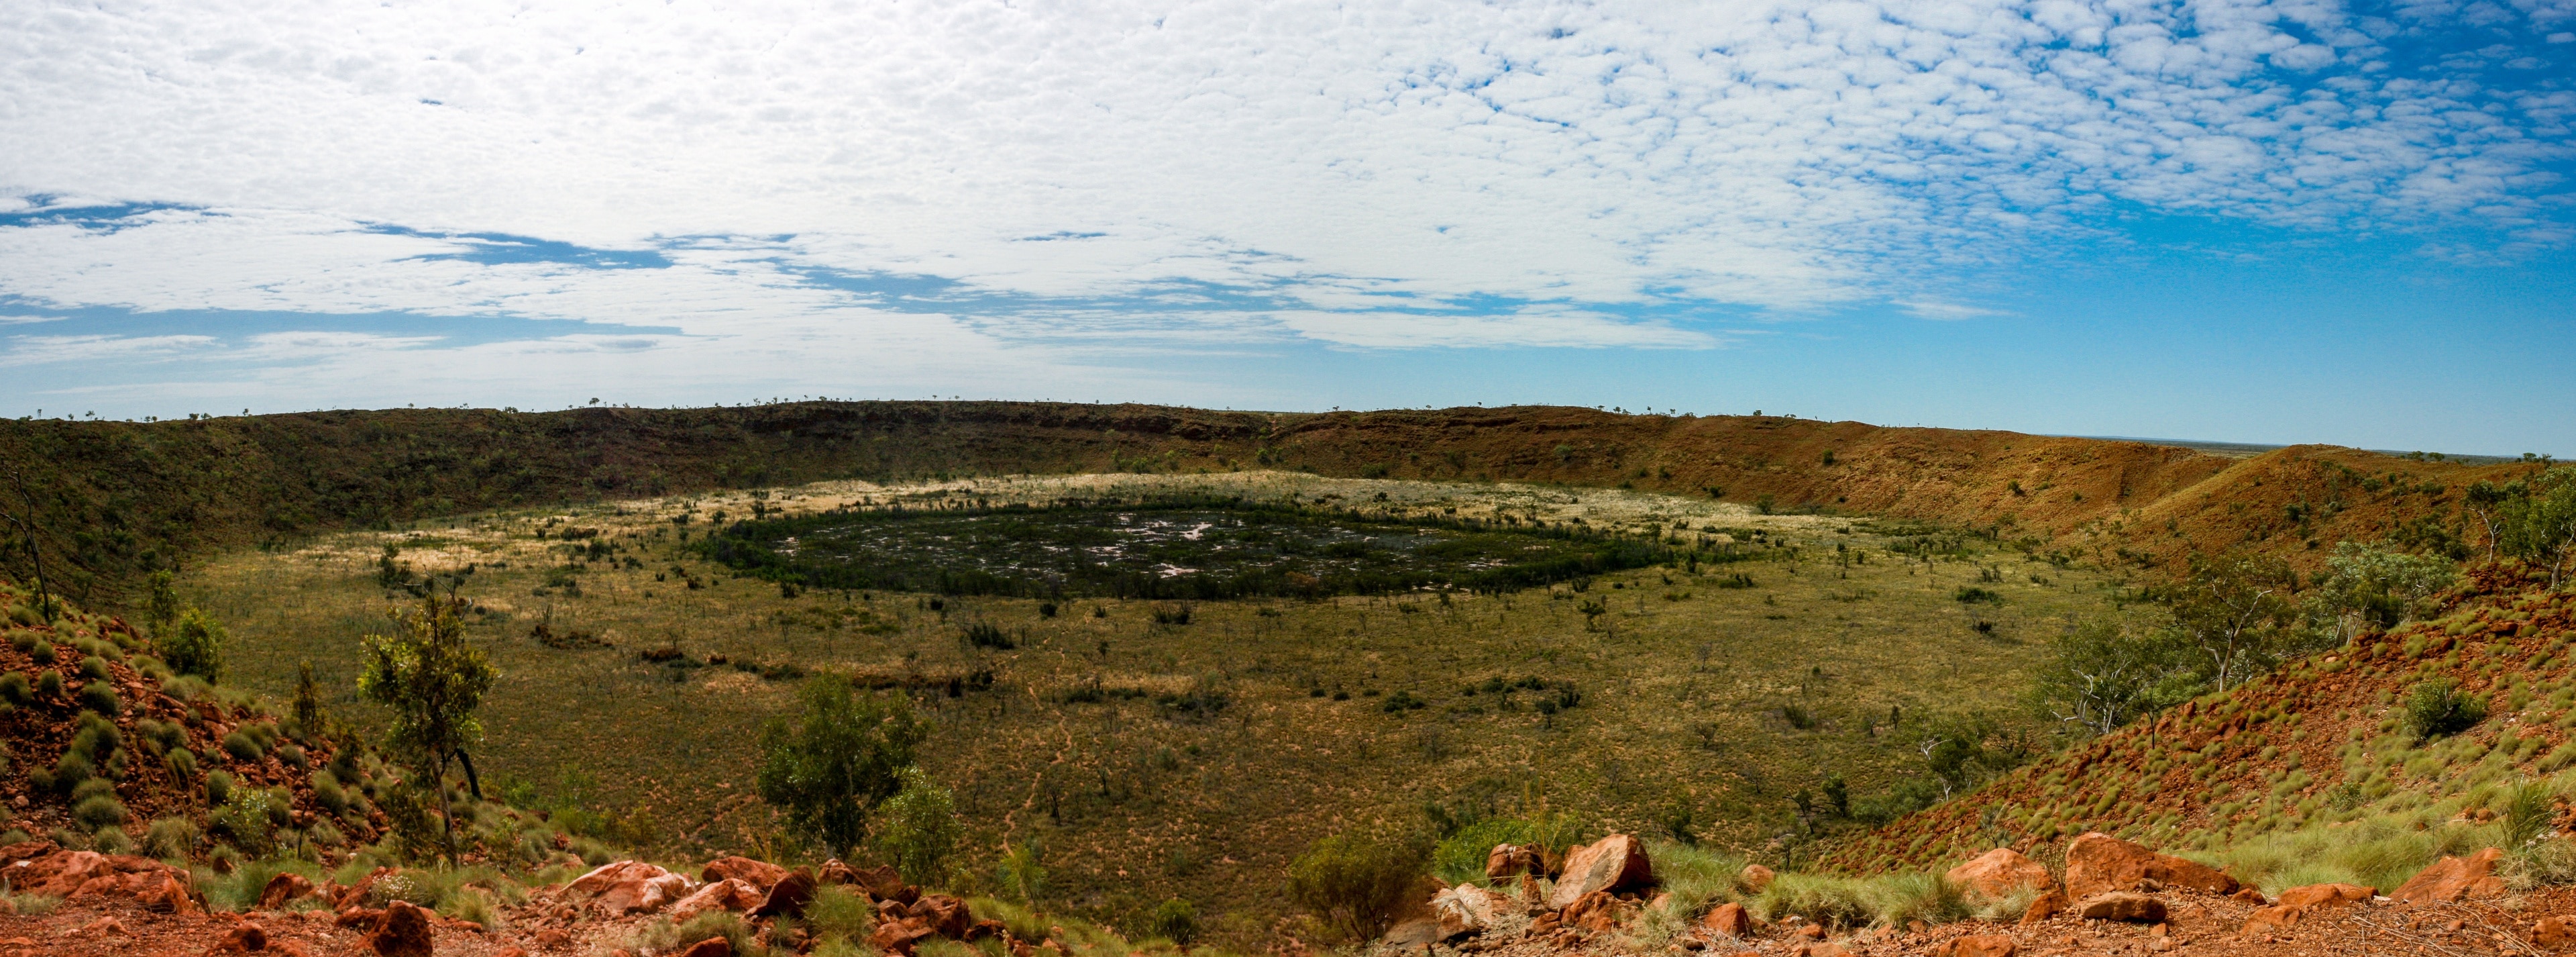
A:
(947, 916)
(760, 874)
(2098, 863)
(404, 933)
(24, 850)
(1612, 863)
(2043, 908)
(1812, 932)
(1754, 877)
(1597, 912)
(2316, 895)
(2000, 872)
(2122, 906)
(2454, 879)
(1464, 909)
(1978, 945)
(360, 918)
(243, 939)
(1729, 919)
(511, 952)
(835, 872)
(728, 894)
(284, 888)
(1508, 860)
(630, 887)
(789, 897)
(898, 936)
(710, 947)
(883, 882)
(2553, 931)
(1819, 949)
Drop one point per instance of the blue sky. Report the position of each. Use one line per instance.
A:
(2259, 222)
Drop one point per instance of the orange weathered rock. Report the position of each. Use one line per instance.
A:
(405, 931)
(760, 874)
(1465, 909)
(1612, 863)
(731, 894)
(1730, 919)
(630, 887)
(710, 947)
(2454, 879)
(2123, 906)
(789, 896)
(1978, 945)
(2098, 863)
(282, 889)
(2044, 907)
(1755, 877)
(1507, 860)
(2001, 871)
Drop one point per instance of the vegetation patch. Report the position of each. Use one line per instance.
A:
(1175, 549)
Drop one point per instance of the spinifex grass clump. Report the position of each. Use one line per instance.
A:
(1194, 548)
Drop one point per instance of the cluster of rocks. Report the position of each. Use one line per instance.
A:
(758, 890)
(38, 867)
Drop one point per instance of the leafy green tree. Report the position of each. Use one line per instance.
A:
(160, 601)
(2368, 586)
(1022, 872)
(845, 754)
(195, 646)
(433, 682)
(2099, 675)
(1356, 883)
(2538, 523)
(2232, 608)
(920, 830)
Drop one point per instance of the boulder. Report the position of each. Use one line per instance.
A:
(1754, 877)
(947, 916)
(1978, 945)
(1729, 919)
(883, 882)
(788, 897)
(2124, 906)
(282, 889)
(1598, 912)
(86, 874)
(1612, 863)
(1464, 910)
(630, 887)
(2046, 906)
(244, 938)
(2000, 872)
(2454, 879)
(731, 894)
(2553, 931)
(2295, 904)
(2098, 863)
(710, 947)
(1507, 860)
(899, 936)
(404, 933)
(760, 874)
(836, 873)
(1413, 935)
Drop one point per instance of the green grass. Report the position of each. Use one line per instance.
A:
(1206, 754)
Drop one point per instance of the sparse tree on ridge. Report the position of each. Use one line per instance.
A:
(433, 681)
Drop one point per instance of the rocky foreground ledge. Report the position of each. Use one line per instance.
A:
(2114, 897)
(125, 905)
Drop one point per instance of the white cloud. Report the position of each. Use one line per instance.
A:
(27, 320)
(1936, 309)
(1375, 165)
(41, 350)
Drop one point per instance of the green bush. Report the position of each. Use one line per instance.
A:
(244, 819)
(1356, 883)
(15, 690)
(170, 838)
(98, 811)
(838, 912)
(920, 829)
(49, 684)
(195, 646)
(219, 788)
(1176, 920)
(844, 755)
(2439, 709)
(1460, 857)
(1021, 873)
(243, 747)
(94, 668)
(111, 839)
(98, 696)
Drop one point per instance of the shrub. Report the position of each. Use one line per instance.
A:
(50, 684)
(1176, 920)
(1971, 595)
(1460, 857)
(1022, 873)
(182, 764)
(98, 811)
(2439, 708)
(97, 696)
(839, 913)
(1356, 883)
(245, 820)
(170, 838)
(195, 646)
(111, 839)
(1835, 902)
(15, 690)
(242, 746)
(42, 651)
(920, 829)
(219, 788)
(94, 668)
(844, 756)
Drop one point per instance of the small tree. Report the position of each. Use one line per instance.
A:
(160, 601)
(2231, 608)
(843, 756)
(2099, 676)
(1022, 871)
(433, 681)
(195, 646)
(308, 702)
(920, 829)
(2538, 524)
(2369, 587)
(1356, 883)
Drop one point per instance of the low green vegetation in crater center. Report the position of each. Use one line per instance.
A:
(1178, 548)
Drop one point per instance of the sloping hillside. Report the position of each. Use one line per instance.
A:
(116, 500)
(2321, 742)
